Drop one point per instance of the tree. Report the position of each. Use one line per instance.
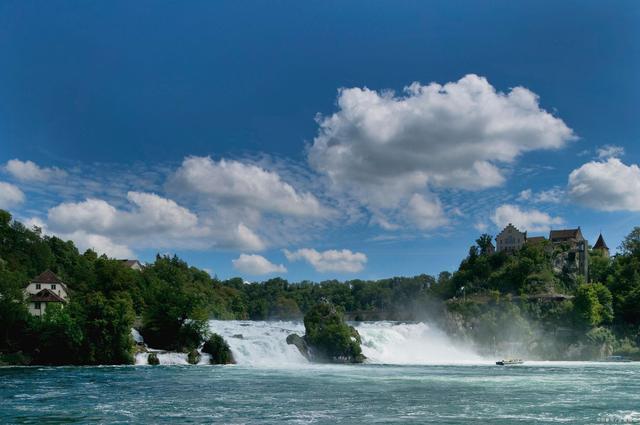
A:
(631, 243)
(14, 318)
(59, 337)
(484, 242)
(593, 304)
(107, 327)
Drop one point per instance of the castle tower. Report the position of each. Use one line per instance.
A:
(601, 245)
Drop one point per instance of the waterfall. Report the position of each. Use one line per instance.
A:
(411, 343)
(263, 344)
(258, 343)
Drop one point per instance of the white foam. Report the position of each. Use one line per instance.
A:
(262, 343)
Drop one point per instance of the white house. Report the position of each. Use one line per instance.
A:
(133, 264)
(43, 290)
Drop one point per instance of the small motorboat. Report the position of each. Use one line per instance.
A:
(617, 359)
(509, 362)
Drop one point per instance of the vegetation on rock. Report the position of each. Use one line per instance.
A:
(218, 350)
(153, 359)
(329, 337)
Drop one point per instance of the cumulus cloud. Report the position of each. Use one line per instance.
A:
(152, 221)
(151, 213)
(10, 195)
(332, 260)
(29, 171)
(100, 244)
(426, 213)
(530, 220)
(243, 184)
(83, 240)
(610, 151)
(254, 264)
(385, 148)
(607, 185)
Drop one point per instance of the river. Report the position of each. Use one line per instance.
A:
(414, 375)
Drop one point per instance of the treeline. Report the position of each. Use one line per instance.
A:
(492, 300)
(531, 302)
(168, 301)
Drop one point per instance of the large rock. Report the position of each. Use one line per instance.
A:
(301, 345)
(153, 359)
(219, 350)
(193, 357)
(328, 337)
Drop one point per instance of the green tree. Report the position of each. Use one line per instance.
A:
(59, 337)
(107, 327)
(484, 242)
(631, 243)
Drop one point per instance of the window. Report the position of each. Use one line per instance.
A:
(38, 286)
(36, 305)
(53, 286)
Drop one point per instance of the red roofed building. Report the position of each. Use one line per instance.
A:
(44, 290)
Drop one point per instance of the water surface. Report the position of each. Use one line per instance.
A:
(562, 393)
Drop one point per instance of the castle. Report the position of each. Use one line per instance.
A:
(573, 252)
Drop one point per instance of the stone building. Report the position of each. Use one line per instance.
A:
(601, 245)
(510, 239)
(574, 253)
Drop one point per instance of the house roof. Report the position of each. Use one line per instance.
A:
(130, 263)
(600, 243)
(565, 234)
(508, 226)
(536, 239)
(47, 277)
(47, 296)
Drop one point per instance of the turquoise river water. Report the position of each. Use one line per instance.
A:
(446, 390)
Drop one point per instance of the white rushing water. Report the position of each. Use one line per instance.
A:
(264, 343)
(410, 343)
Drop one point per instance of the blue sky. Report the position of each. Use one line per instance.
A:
(269, 129)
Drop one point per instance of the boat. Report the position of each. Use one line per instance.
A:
(617, 359)
(509, 362)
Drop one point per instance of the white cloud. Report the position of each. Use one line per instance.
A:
(245, 185)
(609, 151)
(608, 186)
(331, 260)
(246, 238)
(554, 195)
(525, 195)
(10, 195)
(151, 222)
(253, 264)
(151, 213)
(83, 240)
(426, 213)
(529, 220)
(384, 148)
(481, 226)
(100, 244)
(32, 172)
